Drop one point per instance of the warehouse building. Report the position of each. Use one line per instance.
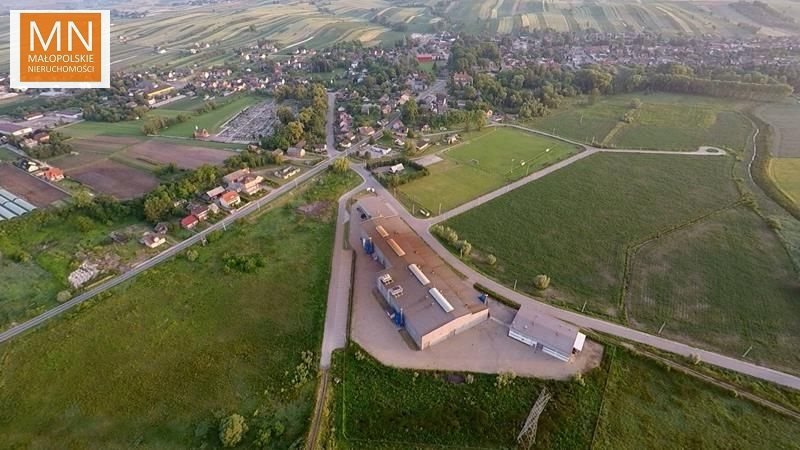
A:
(424, 295)
(541, 331)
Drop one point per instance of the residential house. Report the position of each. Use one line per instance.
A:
(152, 240)
(189, 222)
(203, 211)
(252, 184)
(462, 79)
(52, 174)
(229, 200)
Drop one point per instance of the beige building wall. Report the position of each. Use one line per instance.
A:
(452, 328)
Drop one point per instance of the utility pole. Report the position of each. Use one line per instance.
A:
(515, 285)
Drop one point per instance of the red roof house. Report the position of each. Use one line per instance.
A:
(189, 221)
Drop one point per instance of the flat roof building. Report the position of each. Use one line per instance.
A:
(426, 296)
(555, 337)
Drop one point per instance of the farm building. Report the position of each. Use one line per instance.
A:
(214, 193)
(296, 151)
(12, 129)
(158, 91)
(541, 331)
(235, 177)
(71, 113)
(424, 295)
(12, 206)
(397, 168)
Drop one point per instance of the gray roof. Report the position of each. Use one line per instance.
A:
(24, 204)
(7, 195)
(6, 213)
(545, 329)
(16, 209)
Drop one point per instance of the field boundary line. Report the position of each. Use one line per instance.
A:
(717, 382)
(600, 410)
(632, 250)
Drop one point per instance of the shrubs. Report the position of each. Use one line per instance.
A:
(243, 263)
(466, 248)
(504, 379)
(491, 260)
(541, 282)
(192, 255)
(63, 296)
(341, 165)
(232, 430)
(446, 233)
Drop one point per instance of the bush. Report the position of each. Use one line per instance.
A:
(491, 259)
(20, 256)
(504, 379)
(341, 165)
(63, 296)
(192, 255)
(232, 430)
(541, 282)
(466, 249)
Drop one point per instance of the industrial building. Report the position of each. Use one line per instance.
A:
(541, 331)
(422, 293)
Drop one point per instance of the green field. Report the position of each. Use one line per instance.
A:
(53, 242)
(647, 406)
(725, 283)
(611, 16)
(156, 363)
(7, 155)
(630, 402)
(408, 409)
(663, 122)
(485, 161)
(786, 174)
(133, 128)
(211, 121)
(576, 223)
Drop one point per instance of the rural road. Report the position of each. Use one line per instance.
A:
(163, 256)
(337, 314)
(421, 227)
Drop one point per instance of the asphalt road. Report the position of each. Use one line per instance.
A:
(163, 256)
(338, 308)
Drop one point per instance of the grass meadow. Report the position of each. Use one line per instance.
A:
(663, 122)
(576, 224)
(725, 283)
(212, 121)
(53, 242)
(647, 406)
(156, 363)
(485, 161)
(786, 174)
(630, 402)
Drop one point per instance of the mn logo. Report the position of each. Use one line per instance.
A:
(60, 49)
